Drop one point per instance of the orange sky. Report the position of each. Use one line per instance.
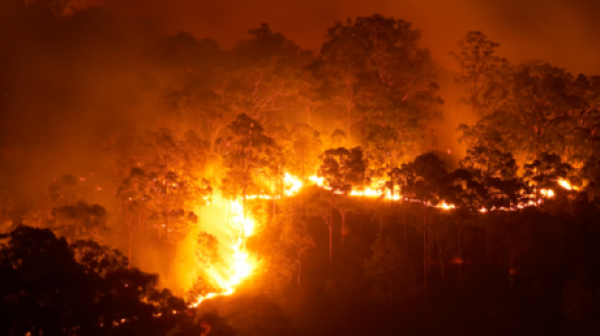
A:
(565, 33)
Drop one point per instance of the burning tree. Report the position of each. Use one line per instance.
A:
(341, 169)
(252, 154)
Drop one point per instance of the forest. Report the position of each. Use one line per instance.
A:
(160, 184)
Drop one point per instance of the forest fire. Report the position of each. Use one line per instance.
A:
(156, 182)
(566, 184)
(238, 264)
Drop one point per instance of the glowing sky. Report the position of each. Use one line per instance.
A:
(562, 32)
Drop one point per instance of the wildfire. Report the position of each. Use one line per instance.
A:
(292, 184)
(368, 192)
(445, 206)
(566, 184)
(240, 265)
(316, 180)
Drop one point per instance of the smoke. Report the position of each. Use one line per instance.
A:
(559, 31)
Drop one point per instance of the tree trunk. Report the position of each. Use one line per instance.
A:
(425, 250)
(404, 232)
(430, 248)
(441, 258)
(330, 232)
(129, 252)
(299, 268)
(142, 230)
(274, 196)
(343, 213)
(459, 254)
(510, 258)
(129, 222)
(271, 273)
(487, 241)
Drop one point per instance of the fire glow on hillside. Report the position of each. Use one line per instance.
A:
(240, 265)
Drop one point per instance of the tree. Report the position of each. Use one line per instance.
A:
(266, 69)
(487, 153)
(384, 150)
(536, 116)
(545, 173)
(163, 188)
(134, 195)
(252, 155)
(374, 65)
(309, 97)
(278, 259)
(295, 233)
(206, 109)
(423, 180)
(80, 221)
(390, 271)
(46, 291)
(482, 72)
(341, 169)
(306, 145)
(96, 258)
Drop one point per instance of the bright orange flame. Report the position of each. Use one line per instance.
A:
(292, 184)
(566, 184)
(241, 266)
(316, 180)
(368, 192)
(445, 206)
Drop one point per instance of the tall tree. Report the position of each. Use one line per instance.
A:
(374, 64)
(341, 169)
(267, 69)
(482, 73)
(423, 180)
(295, 233)
(252, 155)
(390, 271)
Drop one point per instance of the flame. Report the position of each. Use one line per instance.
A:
(547, 192)
(566, 184)
(240, 265)
(316, 180)
(243, 225)
(292, 184)
(445, 206)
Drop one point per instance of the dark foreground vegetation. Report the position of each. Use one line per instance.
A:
(118, 137)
